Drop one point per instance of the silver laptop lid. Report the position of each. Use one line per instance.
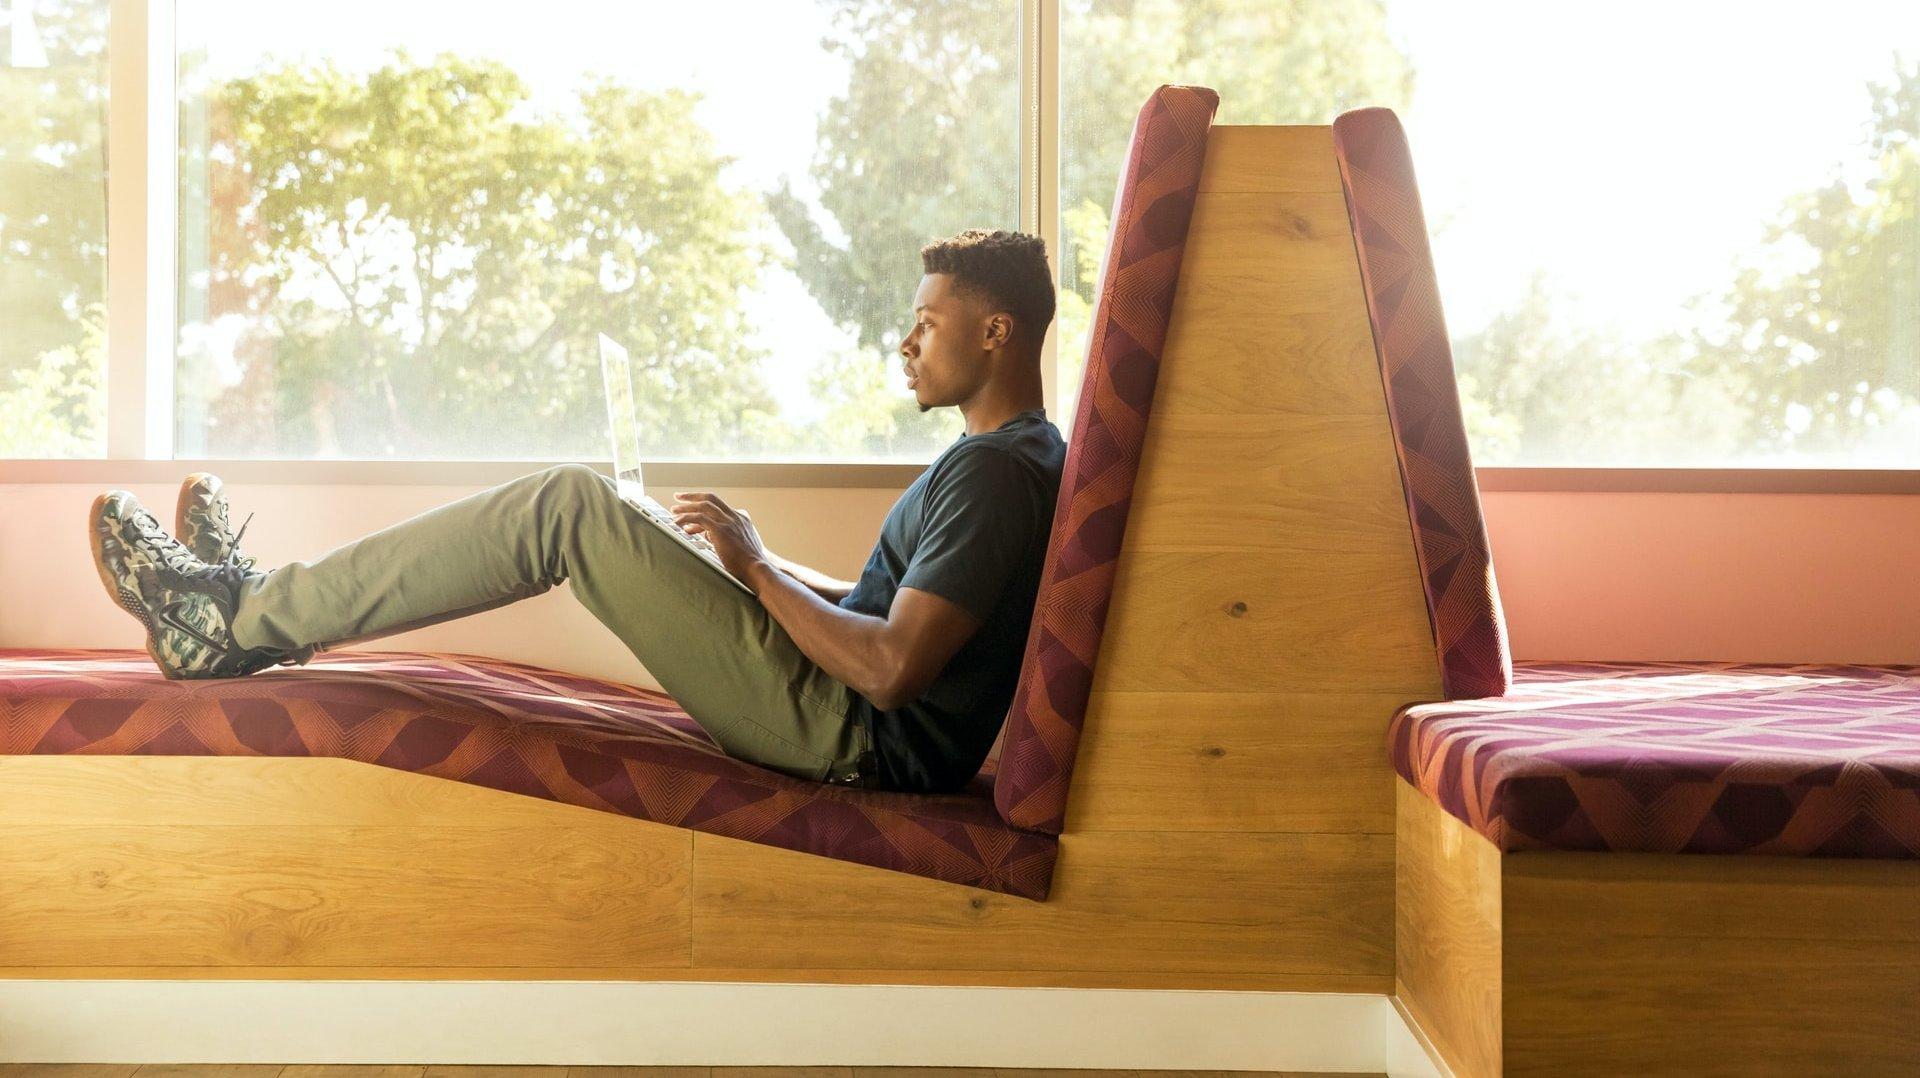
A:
(617, 371)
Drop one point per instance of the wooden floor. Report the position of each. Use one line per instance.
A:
(333, 1071)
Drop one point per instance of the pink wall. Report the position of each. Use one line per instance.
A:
(1756, 577)
(1759, 577)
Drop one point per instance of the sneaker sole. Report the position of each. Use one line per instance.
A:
(129, 603)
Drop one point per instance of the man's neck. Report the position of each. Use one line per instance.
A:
(979, 421)
(995, 405)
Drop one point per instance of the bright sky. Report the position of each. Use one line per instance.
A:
(1631, 148)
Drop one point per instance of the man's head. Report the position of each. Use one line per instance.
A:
(980, 314)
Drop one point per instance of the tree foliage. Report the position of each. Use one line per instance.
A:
(424, 263)
(925, 141)
(1822, 338)
(53, 239)
(414, 261)
(1537, 389)
(1272, 62)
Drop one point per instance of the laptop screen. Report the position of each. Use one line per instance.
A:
(617, 371)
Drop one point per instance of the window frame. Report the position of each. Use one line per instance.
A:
(142, 290)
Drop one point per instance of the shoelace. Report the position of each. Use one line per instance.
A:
(230, 544)
(178, 563)
(172, 552)
(232, 555)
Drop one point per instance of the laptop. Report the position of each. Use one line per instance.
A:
(617, 371)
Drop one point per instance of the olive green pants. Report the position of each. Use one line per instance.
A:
(711, 645)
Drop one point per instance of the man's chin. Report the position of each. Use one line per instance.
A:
(925, 407)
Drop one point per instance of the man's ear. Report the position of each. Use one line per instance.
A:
(999, 331)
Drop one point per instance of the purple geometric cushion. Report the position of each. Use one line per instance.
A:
(1423, 404)
(1801, 761)
(512, 727)
(1153, 206)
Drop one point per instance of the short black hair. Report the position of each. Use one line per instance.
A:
(1009, 269)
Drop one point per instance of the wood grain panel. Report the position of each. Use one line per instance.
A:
(1380, 984)
(1267, 621)
(1270, 315)
(1271, 482)
(1247, 158)
(1143, 901)
(1234, 762)
(269, 894)
(1302, 241)
(1447, 934)
(1599, 1004)
(224, 790)
(1257, 346)
(1770, 898)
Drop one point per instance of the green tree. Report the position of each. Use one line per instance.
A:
(925, 141)
(53, 243)
(1272, 62)
(423, 263)
(1537, 390)
(57, 406)
(1822, 338)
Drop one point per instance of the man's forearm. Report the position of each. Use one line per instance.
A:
(848, 645)
(819, 583)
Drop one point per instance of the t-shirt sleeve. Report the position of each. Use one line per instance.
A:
(979, 522)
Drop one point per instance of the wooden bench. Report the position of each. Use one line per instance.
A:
(1229, 821)
(1560, 908)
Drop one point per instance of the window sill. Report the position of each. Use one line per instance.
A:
(893, 475)
(678, 474)
(1701, 480)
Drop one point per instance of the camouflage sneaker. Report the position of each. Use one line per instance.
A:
(186, 605)
(200, 520)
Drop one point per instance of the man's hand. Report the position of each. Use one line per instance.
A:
(730, 530)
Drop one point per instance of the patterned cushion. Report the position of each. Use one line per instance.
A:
(1152, 209)
(512, 727)
(1423, 405)
(1816, 761)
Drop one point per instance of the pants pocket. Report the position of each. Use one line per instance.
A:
(758, 744)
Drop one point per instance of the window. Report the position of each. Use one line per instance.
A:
(391, 253)
(53, 232)
(1665, 234)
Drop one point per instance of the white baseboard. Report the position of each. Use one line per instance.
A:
(698, 1023)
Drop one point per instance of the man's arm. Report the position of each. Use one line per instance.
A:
(829, 588)
(890, 660)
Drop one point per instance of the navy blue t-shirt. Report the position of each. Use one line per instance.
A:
(973, 529)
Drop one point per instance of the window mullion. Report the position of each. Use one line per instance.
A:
(162, 224)
(140, 233)
(1040, 156)
(127, 93)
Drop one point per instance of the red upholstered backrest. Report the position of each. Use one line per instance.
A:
(1151, 210)
(1423, 403)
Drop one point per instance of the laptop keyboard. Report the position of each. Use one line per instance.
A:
(663, 515)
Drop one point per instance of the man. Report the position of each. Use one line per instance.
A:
(899, 680)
